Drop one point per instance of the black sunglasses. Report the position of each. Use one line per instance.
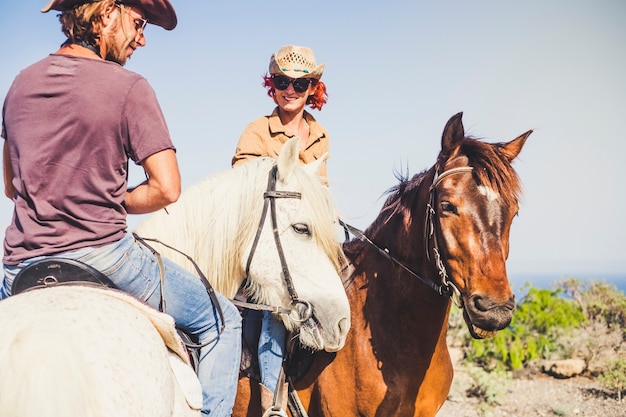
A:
(300, 85)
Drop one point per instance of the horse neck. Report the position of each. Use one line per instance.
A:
(401, 232)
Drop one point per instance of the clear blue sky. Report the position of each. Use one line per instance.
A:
(396, 71)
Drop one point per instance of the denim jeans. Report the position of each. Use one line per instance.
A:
(134, 269)
(271, 344)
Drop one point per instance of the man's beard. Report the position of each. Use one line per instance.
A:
(116, 54)
(116, 51)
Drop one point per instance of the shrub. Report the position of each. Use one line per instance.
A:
(541, 318)
(600, 302)
(488, 387)
(614, 377)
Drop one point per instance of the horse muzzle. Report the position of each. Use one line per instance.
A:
(484, 317)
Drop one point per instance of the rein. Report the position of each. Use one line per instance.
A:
(203, 279)
(446, 288)
(439, 289)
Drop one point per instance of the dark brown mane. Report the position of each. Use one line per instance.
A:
(492, 168)
(401, 198)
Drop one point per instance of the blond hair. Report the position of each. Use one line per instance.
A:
(83, 24)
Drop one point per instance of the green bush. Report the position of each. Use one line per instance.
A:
(540, 319)
(614, 377)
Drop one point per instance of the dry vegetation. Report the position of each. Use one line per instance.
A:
(488, 383)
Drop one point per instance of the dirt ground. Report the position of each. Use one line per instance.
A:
(532, 395)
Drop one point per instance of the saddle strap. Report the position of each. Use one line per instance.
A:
(295, 405)
(207, 285)
(276, 409)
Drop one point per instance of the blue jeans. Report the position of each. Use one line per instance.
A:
(271, 344)
(134, 269)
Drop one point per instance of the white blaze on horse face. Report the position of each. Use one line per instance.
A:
(488, 192)
(479, 243)
(494, 214)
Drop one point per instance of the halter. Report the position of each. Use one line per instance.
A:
(446, 288)
(304, 308)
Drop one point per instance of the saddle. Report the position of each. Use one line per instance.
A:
(54, 270)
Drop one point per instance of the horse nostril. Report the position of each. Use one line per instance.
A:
(485, 304)
(480, 303)
(344, 326)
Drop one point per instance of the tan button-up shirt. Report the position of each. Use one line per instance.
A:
(266, 135)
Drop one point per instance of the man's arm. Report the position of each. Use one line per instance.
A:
(162, 187)
(9, 190)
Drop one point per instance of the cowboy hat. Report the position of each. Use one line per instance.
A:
(295, 62)
(158, 12)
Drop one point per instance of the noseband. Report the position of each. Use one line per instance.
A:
(304, 308)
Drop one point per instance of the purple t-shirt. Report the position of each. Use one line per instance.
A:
(71, 125)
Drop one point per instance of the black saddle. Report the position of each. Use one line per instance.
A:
(53, 270)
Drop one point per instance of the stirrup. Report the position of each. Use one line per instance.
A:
(275, 411)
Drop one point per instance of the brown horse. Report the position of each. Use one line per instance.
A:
(442, 234)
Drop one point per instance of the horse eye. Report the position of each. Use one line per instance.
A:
(301, 228)
(448, 207)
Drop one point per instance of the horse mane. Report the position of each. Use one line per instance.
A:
(215, 220)
(491, 168)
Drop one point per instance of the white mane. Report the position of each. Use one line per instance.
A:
(215, 220)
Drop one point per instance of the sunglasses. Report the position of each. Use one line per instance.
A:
(139, 22)
(300, 85)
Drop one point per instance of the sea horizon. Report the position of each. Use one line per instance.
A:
(549, 280)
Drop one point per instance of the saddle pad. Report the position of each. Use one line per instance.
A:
(163, 323)
(187, 381)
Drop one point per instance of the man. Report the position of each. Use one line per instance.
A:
(71, 122)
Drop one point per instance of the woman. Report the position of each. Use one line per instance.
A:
(293, 82)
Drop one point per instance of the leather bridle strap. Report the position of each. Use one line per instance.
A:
(270, 196)
(445, 289)
(439, 289)
(207, 285)
(430, 232)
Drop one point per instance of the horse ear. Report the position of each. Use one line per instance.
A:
(511, 149)
(314, 167)
(288, 157)
(453, 135)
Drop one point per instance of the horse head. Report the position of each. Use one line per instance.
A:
(473, 200)
(295, 257)
(272, 222)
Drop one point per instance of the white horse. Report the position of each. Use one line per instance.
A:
(75, 351)
(81, 351)
(215, 223)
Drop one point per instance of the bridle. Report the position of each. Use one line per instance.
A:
(446, 288)
(303, 307)
(430, 234)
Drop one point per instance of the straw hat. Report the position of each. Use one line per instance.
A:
(158, 12)
(295, 62)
